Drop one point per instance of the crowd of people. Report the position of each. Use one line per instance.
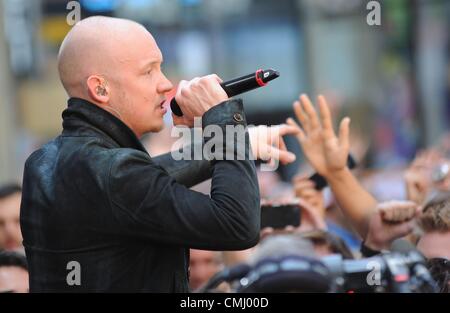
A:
(344, 218)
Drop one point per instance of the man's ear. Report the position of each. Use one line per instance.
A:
(98, 89)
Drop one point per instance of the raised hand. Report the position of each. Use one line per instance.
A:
(326, 152)
(391, 220)
(304, 189)
(268, 145)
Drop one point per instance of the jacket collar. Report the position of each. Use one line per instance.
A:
(82, 117)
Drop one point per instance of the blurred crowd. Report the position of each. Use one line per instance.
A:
(361, 214)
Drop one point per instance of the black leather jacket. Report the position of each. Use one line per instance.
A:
(93, 195)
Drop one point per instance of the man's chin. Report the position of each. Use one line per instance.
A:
(156, 128)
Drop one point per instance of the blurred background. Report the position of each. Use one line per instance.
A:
(393, 80)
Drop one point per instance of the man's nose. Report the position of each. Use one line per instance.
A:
(165, 85)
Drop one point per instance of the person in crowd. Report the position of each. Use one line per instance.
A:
(13, 272)
(434, 222)
(203, 265)
(328, 154)
(379, 224)
(94, 198)
(10, 234)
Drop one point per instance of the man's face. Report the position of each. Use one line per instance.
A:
(10, 234)
(435, 245)
(13, 279)
(139, 86)
(203, 265)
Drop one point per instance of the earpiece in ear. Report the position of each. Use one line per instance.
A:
(101, 91)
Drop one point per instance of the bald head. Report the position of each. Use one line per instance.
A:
(116, 65)
(97, 46)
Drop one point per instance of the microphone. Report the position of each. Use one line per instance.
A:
(238, 85)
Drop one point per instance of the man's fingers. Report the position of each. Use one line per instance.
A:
(299, 177)
(285, 129)
(408, 214)
(266, 232)
(281, 144)
(289, 229)
(325, 114)
(315, 217)
(181, 88)
(416, 211)
(306, 194)
(398, 214)
(284, 156)
(386, 215)
(344, 133)
(304, 185)
(398, 211)
(271, 153)
(216, 77)
(389, 215)
(180, 121)
(177, 120)
(301, 133)
(403, 229)
(301, 116)
(310, 111)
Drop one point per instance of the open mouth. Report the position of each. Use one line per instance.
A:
(161, 106)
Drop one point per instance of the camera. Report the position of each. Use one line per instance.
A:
(389, 272)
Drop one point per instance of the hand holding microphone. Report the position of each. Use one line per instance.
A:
(195, 97)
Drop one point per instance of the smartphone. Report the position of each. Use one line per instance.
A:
(280, 216)
(320, 182)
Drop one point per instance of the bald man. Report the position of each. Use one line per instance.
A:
(98, 213)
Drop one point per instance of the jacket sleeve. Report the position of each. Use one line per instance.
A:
(148, 203)
(186, 172)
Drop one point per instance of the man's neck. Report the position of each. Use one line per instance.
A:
(107, 107)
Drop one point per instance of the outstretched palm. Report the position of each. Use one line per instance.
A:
(326, 152)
